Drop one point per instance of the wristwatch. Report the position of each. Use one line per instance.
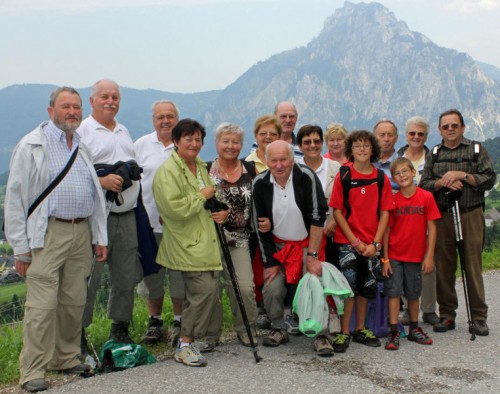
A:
(466, 176)
(378, 246)
(313, 254)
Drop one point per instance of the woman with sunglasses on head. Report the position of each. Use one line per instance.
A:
(310, 142)
(415, 150)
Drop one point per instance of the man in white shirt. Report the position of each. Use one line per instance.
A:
(152, 150)
(109, 142)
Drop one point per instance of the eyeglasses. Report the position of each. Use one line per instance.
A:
(401, 173)
(163, 117)
(310, 142)
(421, 134)
(450, 126)
(268, 133)
(359, 147)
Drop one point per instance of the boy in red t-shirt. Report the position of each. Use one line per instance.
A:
(408, 250)
(361, 223)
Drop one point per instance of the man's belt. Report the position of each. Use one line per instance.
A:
(72, 221)
(464, 209)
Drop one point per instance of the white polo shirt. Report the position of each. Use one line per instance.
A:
(151, 154)
(320, 171)
(107, 147)
(287, 218)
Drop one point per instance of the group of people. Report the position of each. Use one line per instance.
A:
(284, 209)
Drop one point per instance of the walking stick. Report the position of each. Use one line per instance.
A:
(453, 197)
(214, 206)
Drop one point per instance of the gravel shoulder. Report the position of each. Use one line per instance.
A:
(453, 364)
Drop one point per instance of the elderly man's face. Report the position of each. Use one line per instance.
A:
(106, 101)
(387, 137)
(287, 116)
(279, 161)
(66, 112)
(164, 120)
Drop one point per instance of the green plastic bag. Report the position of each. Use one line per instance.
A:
(118, 356)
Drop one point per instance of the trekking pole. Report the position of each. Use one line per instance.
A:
(232, 273)
(453, 197)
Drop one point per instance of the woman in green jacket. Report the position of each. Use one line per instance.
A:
(181, 187)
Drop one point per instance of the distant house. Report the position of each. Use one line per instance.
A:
(491, 217)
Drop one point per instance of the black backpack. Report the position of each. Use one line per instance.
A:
(348, 183)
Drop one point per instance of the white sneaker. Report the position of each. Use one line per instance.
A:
(292, 325)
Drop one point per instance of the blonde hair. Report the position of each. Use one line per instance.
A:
(336, 129)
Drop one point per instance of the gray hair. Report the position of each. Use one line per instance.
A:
(231, 128)
(385, 121)
(55, 94)
(94, 89)
(290, 151)
(158, 102)
(287, 102)
(419, 121)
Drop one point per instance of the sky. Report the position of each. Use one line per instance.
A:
(199, 45)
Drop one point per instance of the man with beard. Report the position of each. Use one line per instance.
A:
(53, 246)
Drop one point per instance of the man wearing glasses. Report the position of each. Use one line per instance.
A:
(459, 164)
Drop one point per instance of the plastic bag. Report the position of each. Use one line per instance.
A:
(118, 356)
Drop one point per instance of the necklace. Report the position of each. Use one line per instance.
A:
(232, 172)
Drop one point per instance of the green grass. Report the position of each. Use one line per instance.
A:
(11, 335)
(8, 291)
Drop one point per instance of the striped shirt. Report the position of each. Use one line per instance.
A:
(74, 196)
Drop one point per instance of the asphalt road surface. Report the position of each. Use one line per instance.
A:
(452, 364)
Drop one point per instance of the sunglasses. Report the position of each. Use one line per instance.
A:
(450, 126)
(421, 134)
(309, 142)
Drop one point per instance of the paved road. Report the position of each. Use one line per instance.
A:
(452, 364)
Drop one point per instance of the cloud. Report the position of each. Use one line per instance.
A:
(472, 6)
(21, 6)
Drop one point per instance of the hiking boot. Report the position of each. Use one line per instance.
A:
(444, 325)
(35, 385)
(419, 336)
(84, 350)
(322, 346)
(479, 327)
(174, 332)
(119, 332)
(366, 337)
(340, 342)
(190, 356)
(404, 317)
(154, 332)
(430, 318)
(393, 340)
(263, 322)
(292, 325)
(276, 337)
(78, 369)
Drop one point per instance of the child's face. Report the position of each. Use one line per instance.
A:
(403, 175)
(362, 151)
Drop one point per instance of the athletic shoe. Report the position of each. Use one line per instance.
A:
(78, 369)
(119, 332)
(393, 340)
(366, 337)
(174, 332)
(419, 336)
(154, 332)
(292, 325)
(404, 317)
(35, 385)
(206, 345)
(190, 356)
(322, 346)
(430, 318)
(479, 327)
(444, 325)
(276, 337)
(340, 342)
